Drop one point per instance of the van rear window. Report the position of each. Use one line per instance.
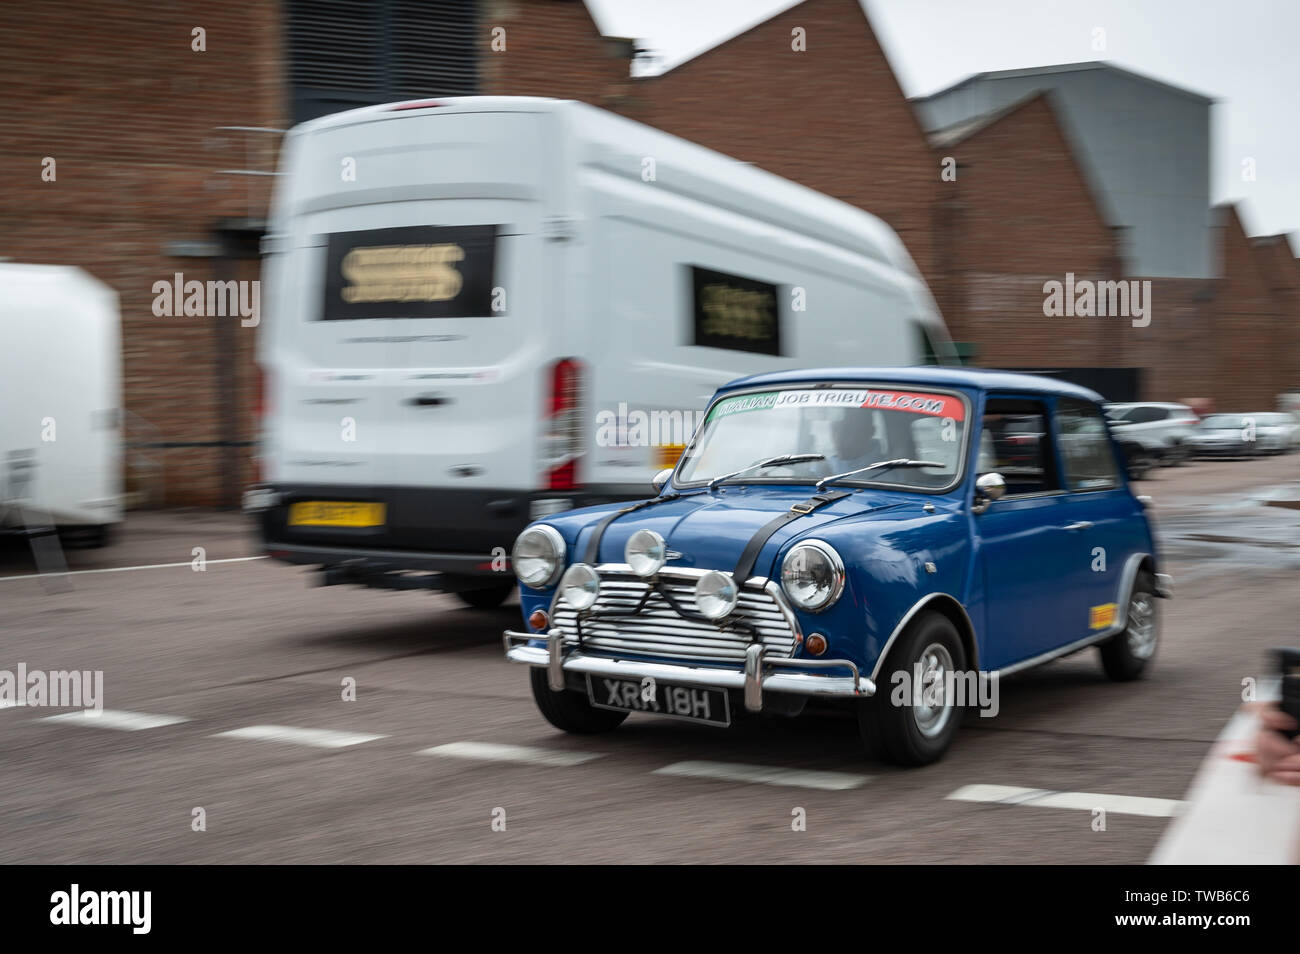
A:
(739, 314)
(421, 271)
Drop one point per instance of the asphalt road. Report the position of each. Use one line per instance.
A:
(248, 644)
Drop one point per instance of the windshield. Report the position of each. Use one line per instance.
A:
(849, 427)
(1223, 422)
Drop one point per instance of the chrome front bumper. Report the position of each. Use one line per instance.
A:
(760, 673)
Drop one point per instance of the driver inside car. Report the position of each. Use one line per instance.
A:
(856, 443)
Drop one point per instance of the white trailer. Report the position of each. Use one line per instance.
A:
(60, 401)
(484, 309)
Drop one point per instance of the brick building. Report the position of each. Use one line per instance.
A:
(164, 139)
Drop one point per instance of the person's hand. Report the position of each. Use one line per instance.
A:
(1279, 757)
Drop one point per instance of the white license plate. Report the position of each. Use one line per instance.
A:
(692, 703)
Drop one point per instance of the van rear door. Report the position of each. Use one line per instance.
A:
(423, 298)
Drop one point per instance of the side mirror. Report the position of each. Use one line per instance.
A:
(988, 488)
(661, 479)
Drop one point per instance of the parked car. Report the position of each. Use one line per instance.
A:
(441, 332)
(874, 542)
(1163, 429)
(1137, 459)
(1276, 432)
(1244, 435)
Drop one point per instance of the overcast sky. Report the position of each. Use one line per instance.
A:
(1243, 53)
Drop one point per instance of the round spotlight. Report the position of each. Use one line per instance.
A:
(716, 594)
(538, 619)
(580, 586)
(815, 644)
(645, 553)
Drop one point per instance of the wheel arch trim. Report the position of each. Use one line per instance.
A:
(965, 629)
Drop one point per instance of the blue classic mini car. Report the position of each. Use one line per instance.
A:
(884, 536)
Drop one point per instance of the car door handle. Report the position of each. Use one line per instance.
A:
(426, 400)
(1078, 525)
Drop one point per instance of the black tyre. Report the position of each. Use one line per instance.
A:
(569, 710)
(488, 597)
(1126, 655)
(911, 733)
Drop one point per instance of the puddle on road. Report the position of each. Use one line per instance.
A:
(1260, 529)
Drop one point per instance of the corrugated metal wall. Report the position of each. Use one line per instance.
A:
(348, 53)
(1144, 146)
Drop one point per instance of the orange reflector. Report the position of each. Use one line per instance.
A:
(816, 644)
(538, 619)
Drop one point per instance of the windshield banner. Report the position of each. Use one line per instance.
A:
(935, 405)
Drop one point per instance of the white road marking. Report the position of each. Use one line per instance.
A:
(115, 719)
(319, 738)
(1082, 801)
(125, 569)
(491, 752)
(765, 775)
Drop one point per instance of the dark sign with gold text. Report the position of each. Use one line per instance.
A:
(740, 314)
(420, 271)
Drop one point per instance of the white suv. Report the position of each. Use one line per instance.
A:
(1162, 429)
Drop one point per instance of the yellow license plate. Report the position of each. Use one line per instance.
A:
(329, 513)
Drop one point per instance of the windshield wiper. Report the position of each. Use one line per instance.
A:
(769, 462)
(900, 462)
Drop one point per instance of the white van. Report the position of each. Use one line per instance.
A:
(486, 309)
(60, 404)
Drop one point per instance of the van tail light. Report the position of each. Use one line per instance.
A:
(562, 443)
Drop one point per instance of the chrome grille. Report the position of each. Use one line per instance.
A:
(658, 630)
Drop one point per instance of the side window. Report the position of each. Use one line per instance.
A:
(1086, 452)
(1015, 442)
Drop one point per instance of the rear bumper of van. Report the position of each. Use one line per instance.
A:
(461, 532)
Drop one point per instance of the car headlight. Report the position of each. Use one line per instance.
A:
(646, 553)
(716, 594)
(812, 575)
(580, 586)
(537, 556)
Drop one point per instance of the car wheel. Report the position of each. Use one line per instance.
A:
(1140, 463)
(1125, 655)
(488, 597)
(892, 724)
(569, 710)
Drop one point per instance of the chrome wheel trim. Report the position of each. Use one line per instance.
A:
(936, 667)
(1140, 631)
